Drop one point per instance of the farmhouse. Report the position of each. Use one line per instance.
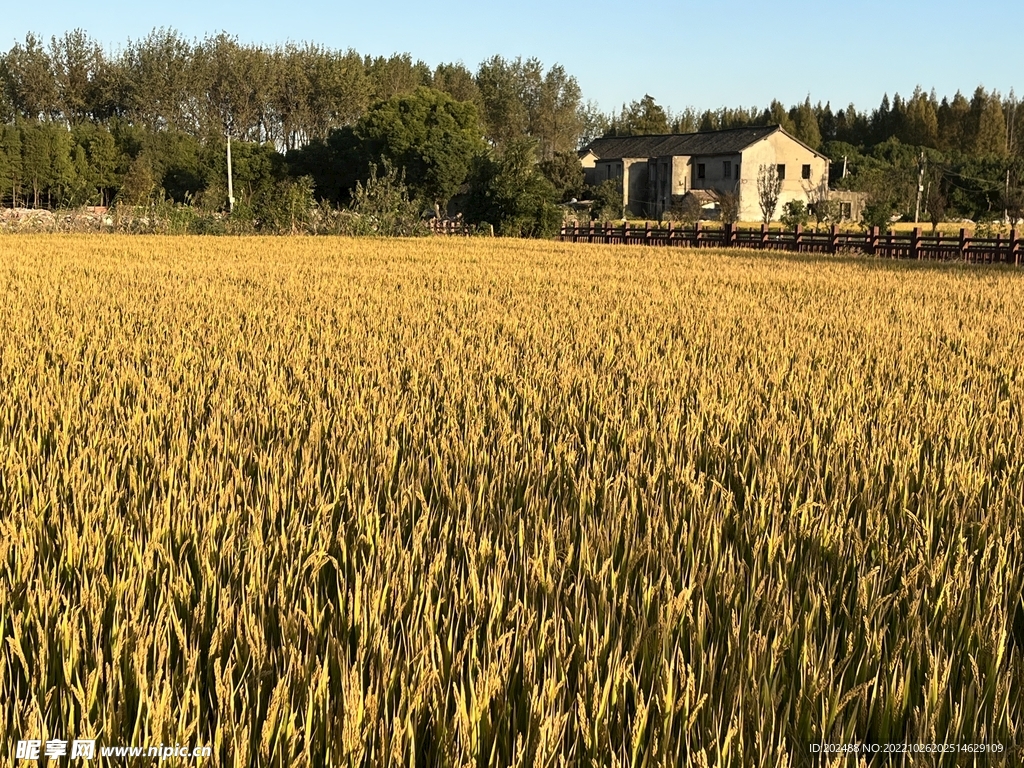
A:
(657, 171)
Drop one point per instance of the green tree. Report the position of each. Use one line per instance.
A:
(159, 84)
(954, 120)
(64, 186)
(593, 123)
(429, 136)
(878, 212)
(508, 93)
(458, 82)
(26, 72)
(565, 174)
(139, 183)
(184, 167)
(10, 163)
(935, 200)
(35, 160)
(805, 124)
(384, 206)
(80, 187)
(340, 90)
(230, 77)
(607, 200)
(257, 171)
(102, 159)
(396, 75)
(989, 124)
(922, 120)
(641, 118)
(509, 192)
(795, 213)
(77, 67)
(335, 164)
(557, 122)
(776, 114)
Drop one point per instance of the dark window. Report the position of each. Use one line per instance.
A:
(737, 170)
(806, 172)
(845, 210)
(700, 170)
(782, 171)
(727, 169)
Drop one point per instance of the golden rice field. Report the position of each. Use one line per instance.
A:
(453, 502)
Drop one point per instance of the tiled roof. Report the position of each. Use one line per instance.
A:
(727, 142)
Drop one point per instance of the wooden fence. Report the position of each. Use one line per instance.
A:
(448, 227)
(1000, 249)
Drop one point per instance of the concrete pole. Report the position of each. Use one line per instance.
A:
(920, 187)
(231, 191)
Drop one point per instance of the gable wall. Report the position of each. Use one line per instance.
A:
(775, 150)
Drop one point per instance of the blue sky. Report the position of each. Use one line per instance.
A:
(704, 54)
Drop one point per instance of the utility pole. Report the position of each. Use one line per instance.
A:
(1006, 198)
(920, 187)
(1010, 123)
(844, 166)
(231, 191)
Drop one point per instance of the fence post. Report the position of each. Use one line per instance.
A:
(833, 239)
(625, 233)
(647, 232)
(915, 243)
(1014, 248)
(730, 235)
(965, 243)
(670, 233)
(798, 238)
(764, 236)
(696, 234)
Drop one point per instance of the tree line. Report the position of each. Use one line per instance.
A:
(81, 125)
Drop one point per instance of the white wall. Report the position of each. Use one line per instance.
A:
(778, 149)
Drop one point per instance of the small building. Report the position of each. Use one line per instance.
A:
(849, 205)
(657, 171)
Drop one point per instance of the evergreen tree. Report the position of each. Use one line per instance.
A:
(921, 120)
(955, 131)
(35, 161)
(10, 164)
(776, 114)
(826, 121)
(989, 124)
(805, 124)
